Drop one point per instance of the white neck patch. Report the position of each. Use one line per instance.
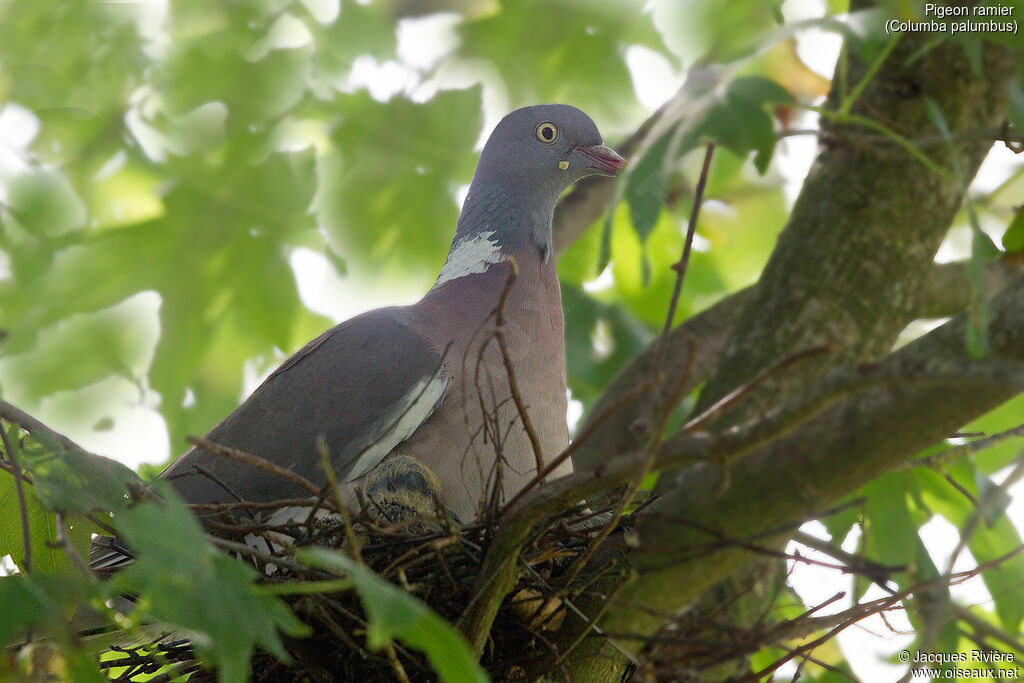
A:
(470, 255)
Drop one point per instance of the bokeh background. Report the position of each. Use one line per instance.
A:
(192, 189)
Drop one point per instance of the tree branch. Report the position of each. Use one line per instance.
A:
(875, 390)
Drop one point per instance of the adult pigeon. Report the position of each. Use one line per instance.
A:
(429, 381)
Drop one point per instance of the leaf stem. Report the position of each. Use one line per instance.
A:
(858, 90)
(879, 127)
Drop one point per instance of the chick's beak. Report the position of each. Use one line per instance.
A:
(603, 159)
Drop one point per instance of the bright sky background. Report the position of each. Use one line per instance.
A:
(140, 435)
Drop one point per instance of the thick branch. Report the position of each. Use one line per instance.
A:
(848, 270)
(793, 477)
(935, 362)
(943, 292)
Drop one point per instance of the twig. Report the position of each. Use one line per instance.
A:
(967, 448)
(579, 441)
(682, 265)
(69, 548)
(991, 630)
(255, 461)
(994, 134)
(727, 401)
(262, 505)
(396, 666)
(269, 558)
(883, 54)
(879, 573)
(32, 425)
(648, 463)
(498, 572)
(335, 495)
(513, 385)
(981, 508)
(26, 536)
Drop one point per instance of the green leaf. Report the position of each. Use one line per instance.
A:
(738, 118)
(180, 578)
(891, 533)
(987, 543)
(839, 524)
(647, 300)
(40, 602)
(73, 480)
(47, 557)
(388, 197)
(1013, 238)
(733, 115)
(1006, 416)
(554, 59)
(394, 613)
(716, 32)
(647, 186)
(1015, 111)
(359, 29)
(621, 338)
(45, 203)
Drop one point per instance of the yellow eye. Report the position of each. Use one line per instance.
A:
(547, 132)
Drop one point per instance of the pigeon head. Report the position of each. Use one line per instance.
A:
(546, 148)
(530, 158)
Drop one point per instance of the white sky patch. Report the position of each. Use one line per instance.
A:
(1000, 164)
(866, 644)
(287, 33)
(940, 538)
(654, 79)
(700, 244)
(602, 282)
(573, 411)
(293, 135)
(425, 41)
(18, 128)
(150, 19)
(7, 566)
(956, 245)
(460, 194)
(601, 339)
(136, 434)
(256, 370)
(383, 80)
(818, 49)
(115, 417)
(324, 11)
(715, 207)
(323, 290)
(111, 166)
(144, 104)
(457, 73)
(795, 154)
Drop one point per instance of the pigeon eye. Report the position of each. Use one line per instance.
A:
(547, 132)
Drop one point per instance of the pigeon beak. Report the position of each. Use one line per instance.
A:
(603, 159)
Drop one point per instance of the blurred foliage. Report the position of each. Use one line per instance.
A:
(189, 148)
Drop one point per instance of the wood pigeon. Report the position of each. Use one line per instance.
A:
(429, 381)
